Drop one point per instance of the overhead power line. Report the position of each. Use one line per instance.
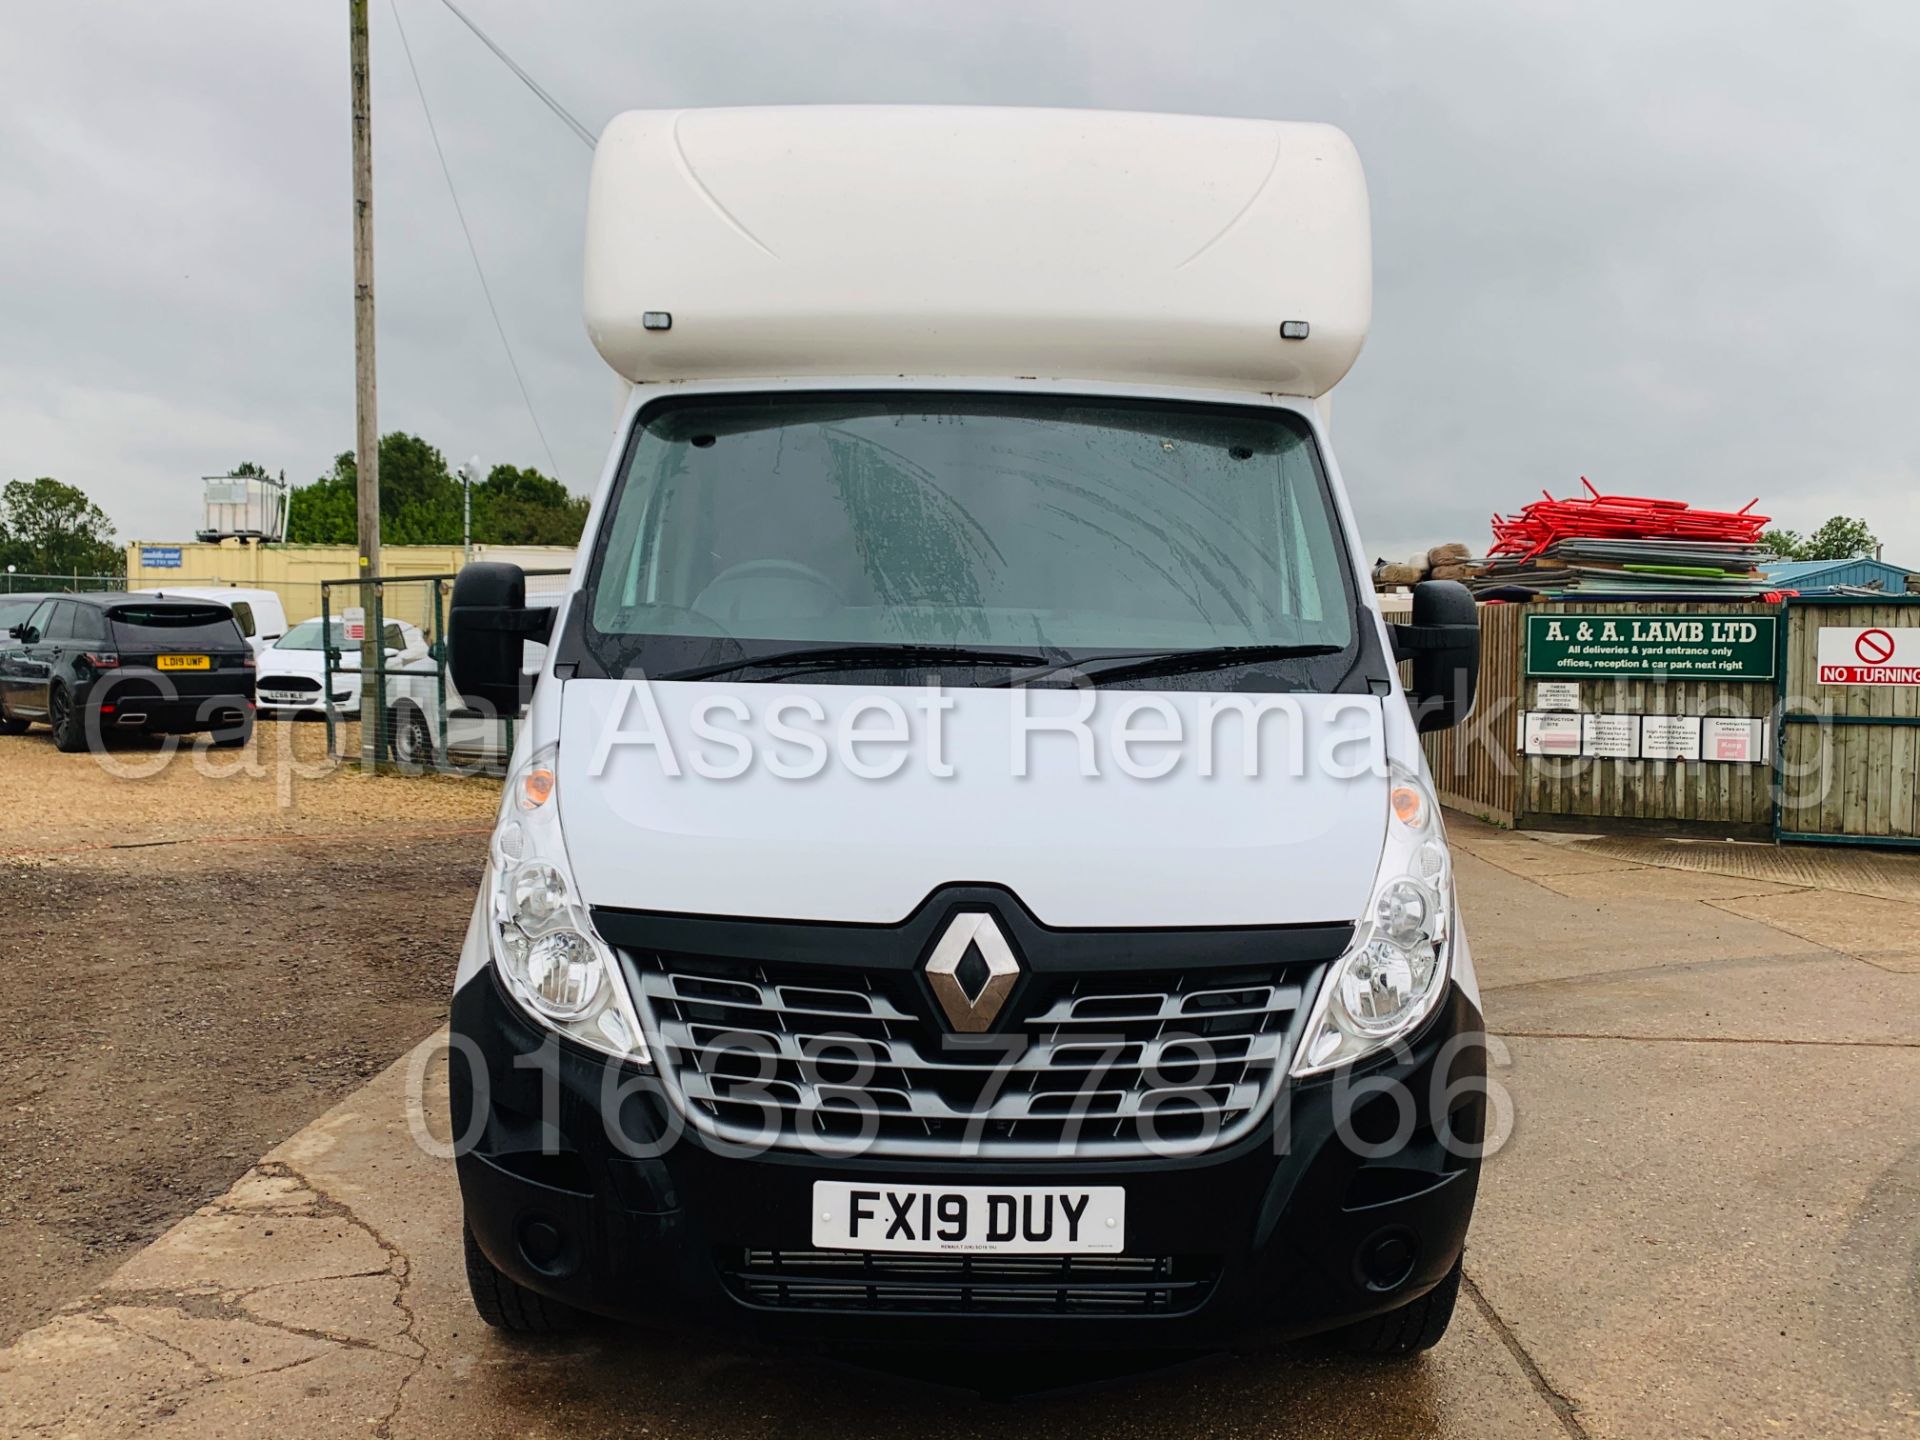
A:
(472, 249)
(586, 135)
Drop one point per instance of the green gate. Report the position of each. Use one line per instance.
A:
(1847, 757)
(423, 724)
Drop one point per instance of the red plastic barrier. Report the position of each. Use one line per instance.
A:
(1620, 517)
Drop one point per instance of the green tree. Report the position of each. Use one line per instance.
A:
(1841, 538)
(1784, 543)
(420, 502)
(323, 513)
(513, 506)
(51, 528)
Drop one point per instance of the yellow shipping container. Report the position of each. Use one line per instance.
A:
(295, 572)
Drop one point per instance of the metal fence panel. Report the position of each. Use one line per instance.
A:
(13, 583)
(423, 723)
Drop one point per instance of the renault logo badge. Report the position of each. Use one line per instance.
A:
(972, 971)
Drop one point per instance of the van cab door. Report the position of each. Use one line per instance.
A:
(243, 617)
(269, 620)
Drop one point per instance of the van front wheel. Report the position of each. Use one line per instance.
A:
(507, 1305)
(1410, 1329)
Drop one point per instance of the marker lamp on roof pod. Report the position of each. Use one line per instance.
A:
(544, 945)
(1395, 969)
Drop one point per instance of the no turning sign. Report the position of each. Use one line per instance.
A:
(1869, 655)
(1874, 647)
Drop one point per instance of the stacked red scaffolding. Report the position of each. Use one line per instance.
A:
(1623, 546)
(1595, 516)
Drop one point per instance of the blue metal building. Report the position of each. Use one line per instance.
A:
(1811, 577)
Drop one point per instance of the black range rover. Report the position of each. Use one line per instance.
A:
(86, 665)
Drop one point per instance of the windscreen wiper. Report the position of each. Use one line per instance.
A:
(864, 657)
(1147, 664)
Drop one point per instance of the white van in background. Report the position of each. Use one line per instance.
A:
(968, 873)
(260, 614)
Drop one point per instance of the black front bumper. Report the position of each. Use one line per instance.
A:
(1271, 1237)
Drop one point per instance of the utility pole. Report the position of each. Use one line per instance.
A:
(470, 476)
(366, 417)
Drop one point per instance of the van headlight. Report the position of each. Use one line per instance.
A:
(544, 944)
(1395, 970)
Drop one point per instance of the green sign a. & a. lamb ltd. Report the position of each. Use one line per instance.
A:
(1665, 647)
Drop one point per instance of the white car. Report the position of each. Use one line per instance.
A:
(292, 670)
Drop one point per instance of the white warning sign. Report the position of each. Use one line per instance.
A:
(1743, 742)
(1544, 733)
(1669, 737)
(1868, 655)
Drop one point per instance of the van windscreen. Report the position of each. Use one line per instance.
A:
(1066, 525)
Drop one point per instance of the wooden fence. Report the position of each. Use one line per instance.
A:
(1705, 795)
(1479, 768)
(1474, 765)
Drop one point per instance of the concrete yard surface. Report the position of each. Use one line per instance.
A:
(323, 1295)
(1705, 1221)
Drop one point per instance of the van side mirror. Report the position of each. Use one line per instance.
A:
(1443, 642)
(488, 625)
(18, 632)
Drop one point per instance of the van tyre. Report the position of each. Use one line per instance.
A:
(1412, 1328)
(69, 731)
(411, 737)
(507, 1305)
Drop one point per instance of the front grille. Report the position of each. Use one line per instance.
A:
(862, 1282)
(290, 684)
(1123, 1063)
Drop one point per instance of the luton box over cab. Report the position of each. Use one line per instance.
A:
(875, 241)
(875, 244)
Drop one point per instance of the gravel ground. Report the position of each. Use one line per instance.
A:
(200, 965)
(140, 791)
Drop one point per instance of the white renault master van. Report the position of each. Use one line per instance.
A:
(968, 872)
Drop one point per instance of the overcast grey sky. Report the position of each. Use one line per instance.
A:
(1670, 246)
